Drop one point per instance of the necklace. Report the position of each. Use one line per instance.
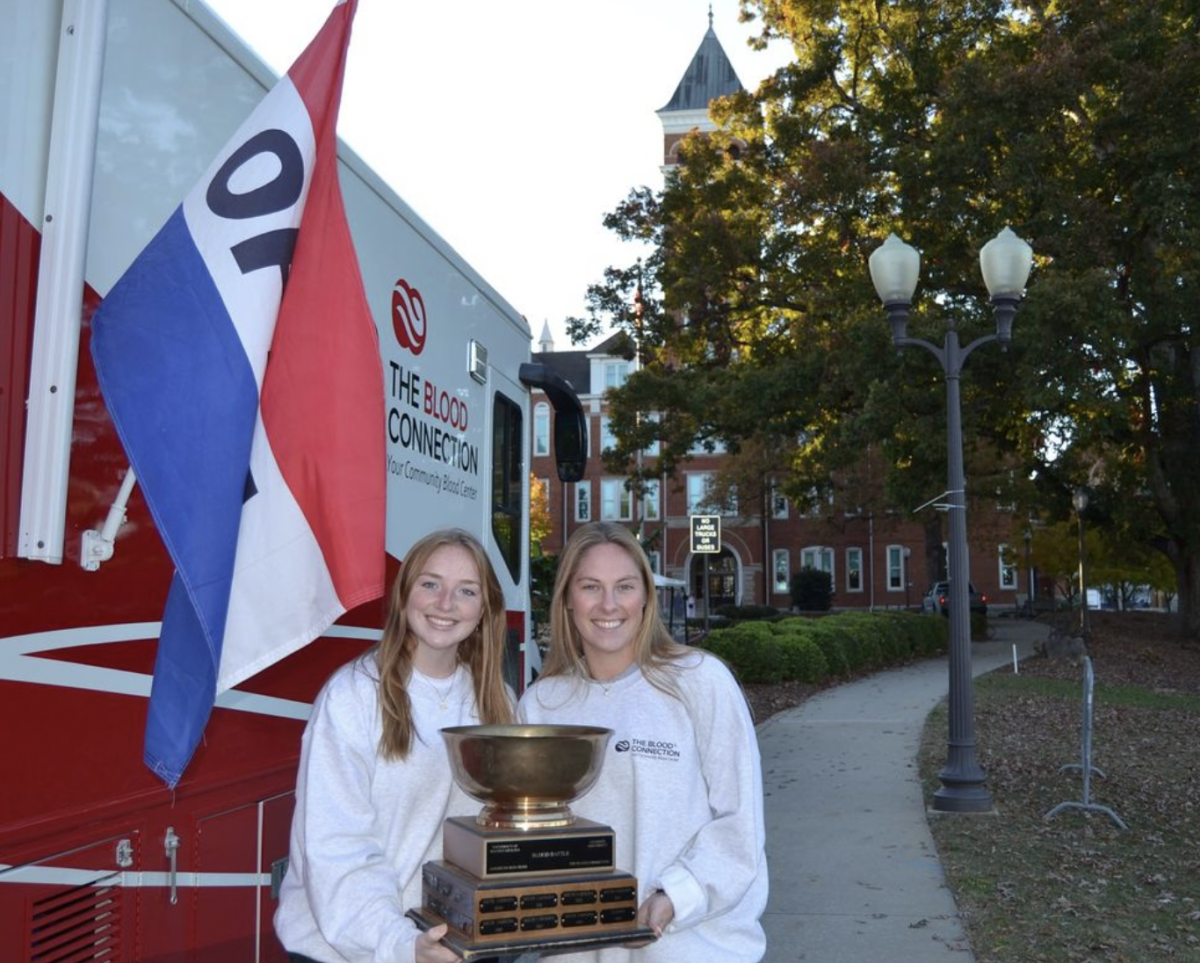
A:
(442, 695)
(605, 684)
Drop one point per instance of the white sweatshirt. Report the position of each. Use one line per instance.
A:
(363, 827)
(681, 787)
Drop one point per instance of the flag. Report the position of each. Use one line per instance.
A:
(240, 364)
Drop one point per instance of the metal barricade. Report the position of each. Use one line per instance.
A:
(1086, 763)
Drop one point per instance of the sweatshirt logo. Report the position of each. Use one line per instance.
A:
(650, 749)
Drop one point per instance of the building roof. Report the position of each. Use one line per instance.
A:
(710, 75)
(572, 365)
(576, 366)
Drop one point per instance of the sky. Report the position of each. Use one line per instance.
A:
(513, 128)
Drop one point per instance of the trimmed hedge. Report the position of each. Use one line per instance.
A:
(752, 651)
(803, 659)
(812, 650)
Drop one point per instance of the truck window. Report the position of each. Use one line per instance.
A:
(508, 477)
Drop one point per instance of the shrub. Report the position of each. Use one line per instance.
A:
(932, 634)
(803, 659)
(979, 626)
(862, 647)
(894, 638)
(829, 642)
(885, 642)
(751, 650)
(812, 590)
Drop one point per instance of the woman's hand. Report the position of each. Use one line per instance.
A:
(429, 950)
(657, 912)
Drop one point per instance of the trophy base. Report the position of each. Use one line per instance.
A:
(489, 853)
(572, 911)
(543, 946)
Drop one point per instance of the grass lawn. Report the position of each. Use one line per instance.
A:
(1076, 887)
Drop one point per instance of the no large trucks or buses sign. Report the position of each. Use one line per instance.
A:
(706, 534)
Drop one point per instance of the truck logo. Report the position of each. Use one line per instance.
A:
(408, 316)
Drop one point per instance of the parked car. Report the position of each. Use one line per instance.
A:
(937, 599)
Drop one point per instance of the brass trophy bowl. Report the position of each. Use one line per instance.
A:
(526, 775)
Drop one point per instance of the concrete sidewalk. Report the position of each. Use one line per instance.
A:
(855, 877)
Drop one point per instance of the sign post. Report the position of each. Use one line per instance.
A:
(706, 541)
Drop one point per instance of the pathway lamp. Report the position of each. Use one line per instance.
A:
(1080, 501)
(895, 269)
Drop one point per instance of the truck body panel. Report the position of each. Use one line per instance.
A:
(86, 851)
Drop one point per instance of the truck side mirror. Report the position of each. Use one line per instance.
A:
(570, 423)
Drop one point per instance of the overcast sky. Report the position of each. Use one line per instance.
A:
(513, 128)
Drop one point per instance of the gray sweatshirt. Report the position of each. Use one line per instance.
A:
(363, 827)
(682, 789)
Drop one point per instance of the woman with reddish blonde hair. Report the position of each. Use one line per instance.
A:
(374, 784)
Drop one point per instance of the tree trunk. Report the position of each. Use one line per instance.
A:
(1187, 577)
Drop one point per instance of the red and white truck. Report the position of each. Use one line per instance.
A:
(110, 110)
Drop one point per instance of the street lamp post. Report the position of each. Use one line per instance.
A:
(895, 268)
(1080, 501)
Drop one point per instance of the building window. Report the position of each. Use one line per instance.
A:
(854, 575)
(710, 446)
(1008, 571)
(700, 500)
(607, 438)
(655, 447)
(781, 569)
(583, 501)
(895, 568)
(818, 557)
(541, 429)
(779, 504)
(817, 503)
(616, 373)
(616, 501)
(650, 503)
(655, 560)
(697, 492)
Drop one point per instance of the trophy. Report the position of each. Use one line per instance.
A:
(527, 874)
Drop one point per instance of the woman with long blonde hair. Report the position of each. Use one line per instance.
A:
(374, 784)
(681, 784)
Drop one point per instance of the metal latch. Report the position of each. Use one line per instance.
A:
(171, 846)
(278, 871)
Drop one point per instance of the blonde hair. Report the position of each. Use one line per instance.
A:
(655, 652)
(482, 651)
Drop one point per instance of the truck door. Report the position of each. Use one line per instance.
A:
(509, 519)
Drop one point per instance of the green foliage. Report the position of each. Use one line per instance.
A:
(931, 634)
(979, 626)
(751, 649)
(812, 590)
(803, 659)
(829, 642)
(543, 569)
(942, 121)
(895, 644)
(811, 650)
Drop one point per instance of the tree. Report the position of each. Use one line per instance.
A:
(540, 523)
(941, 121)
(543, 568)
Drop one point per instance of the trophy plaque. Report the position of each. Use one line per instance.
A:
(527, 874)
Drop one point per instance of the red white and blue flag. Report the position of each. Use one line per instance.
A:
(240, 365)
